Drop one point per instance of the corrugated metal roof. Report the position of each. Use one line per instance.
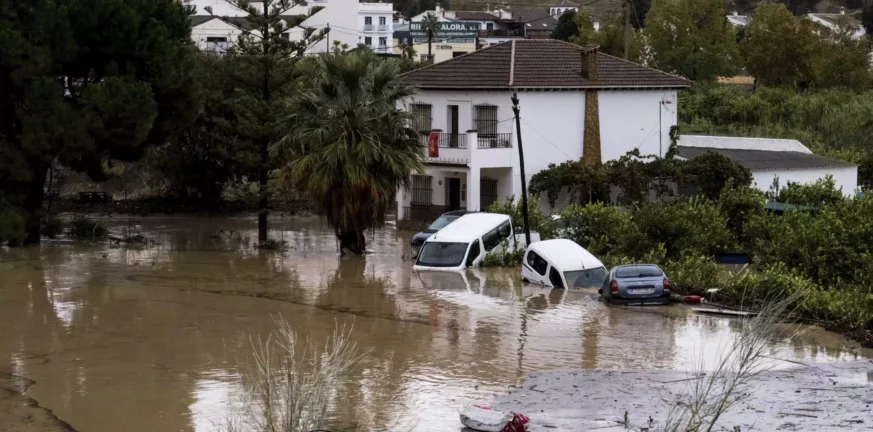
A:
(763, 160)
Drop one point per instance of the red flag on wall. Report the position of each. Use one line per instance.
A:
(433, 145)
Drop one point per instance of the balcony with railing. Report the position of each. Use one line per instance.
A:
(368, 27)
(494, 140)
(382, 28)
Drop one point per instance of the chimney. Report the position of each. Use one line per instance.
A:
(589, 64)
(842, 10)
(736, 13)
(437, 8)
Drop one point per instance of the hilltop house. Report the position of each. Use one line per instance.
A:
(576, 102)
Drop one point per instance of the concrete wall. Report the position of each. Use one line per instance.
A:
(629, 119)
(845, 178)
(552, 128)
(214, 28)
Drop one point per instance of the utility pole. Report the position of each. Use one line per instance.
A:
(627, 26)
(524, 217)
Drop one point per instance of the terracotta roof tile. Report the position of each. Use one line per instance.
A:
(537, 63)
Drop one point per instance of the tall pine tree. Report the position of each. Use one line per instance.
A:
(267, 54)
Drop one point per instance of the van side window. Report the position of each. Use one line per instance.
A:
(505, 229)
(537, 263)
(555, 279)
(491, 239)
(475, 250)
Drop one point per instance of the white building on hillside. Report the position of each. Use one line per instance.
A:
(349, 22)
(840, 20)
(769, 160)
(562, 6)
(465, 116)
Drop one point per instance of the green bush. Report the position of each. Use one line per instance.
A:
(693, 226)
(600, 228)
(539, 221)
(84, 228)
(823, 192)
(12, 227)
(52, 227)
(739, 206)
(694, 274)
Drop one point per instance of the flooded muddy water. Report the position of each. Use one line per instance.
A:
(154, 339)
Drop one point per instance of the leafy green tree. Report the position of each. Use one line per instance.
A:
(196, 165)
(779, 49)
(585, 33)
(713, 172)
(692, 38)
(611, 41)
(639, 11)
(842, 59)
(432, 25)
(266, 74)
(567, 27)
(86, 82)
(349, 147)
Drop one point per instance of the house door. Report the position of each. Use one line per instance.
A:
(453, 126)
(453, 194)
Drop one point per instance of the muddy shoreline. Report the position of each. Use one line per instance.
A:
(814, 397)
(19, 413)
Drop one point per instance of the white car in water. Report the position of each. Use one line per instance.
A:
(562, 263)
(466, 241)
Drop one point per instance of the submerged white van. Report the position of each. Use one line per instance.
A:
(562, 263)
(466, 242)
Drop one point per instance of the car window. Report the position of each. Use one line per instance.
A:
(438, 254)
(537, 263)
(491, 239)
(442, 222)
(589, 278)
(505, 229)
(555, 279)
(638, 271)
(475, 250)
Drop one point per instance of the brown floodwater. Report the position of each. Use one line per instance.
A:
(155, 338)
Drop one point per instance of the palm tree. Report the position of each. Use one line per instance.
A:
(431, 24)
(350, 147)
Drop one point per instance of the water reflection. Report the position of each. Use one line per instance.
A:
(161, 333)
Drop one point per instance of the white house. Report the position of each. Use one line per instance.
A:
(769, 160)
(376, 23)
(562, 6)
(349, 22)
(465, 116)
(836, 21)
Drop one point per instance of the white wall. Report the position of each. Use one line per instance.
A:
(629, 119)
(845, 178)
(342, 15)
(553, 122)
(388, 34)
(214, 28)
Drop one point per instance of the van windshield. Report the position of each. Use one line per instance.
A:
(441, 222)
(437, 254)
(589, 278)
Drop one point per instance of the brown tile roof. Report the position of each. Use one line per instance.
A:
(536, 63)
(475, 16)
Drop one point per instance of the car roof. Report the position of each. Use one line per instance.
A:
(566, 254)
(469, 227)
(456, 213)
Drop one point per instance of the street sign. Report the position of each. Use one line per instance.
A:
(448, 30)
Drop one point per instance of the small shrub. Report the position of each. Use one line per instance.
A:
(694, 274)
(692, 227)
(600, 228)
(539, 221)
(738, 206)
(823, 192)
(12, 227)
(84, 228)
(52, 227)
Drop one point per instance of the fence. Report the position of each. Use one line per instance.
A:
(500, 140)
(488, 192)
(422, 213)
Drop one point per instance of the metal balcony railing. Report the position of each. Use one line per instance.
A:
(368, 27)
(382, 28)
(500, 140)
(449, 140)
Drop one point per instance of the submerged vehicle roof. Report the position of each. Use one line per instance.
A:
(468, 227)
(566, 254)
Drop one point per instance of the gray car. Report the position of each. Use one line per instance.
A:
(636, 284)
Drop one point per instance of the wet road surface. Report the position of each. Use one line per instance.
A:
(155, 338)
